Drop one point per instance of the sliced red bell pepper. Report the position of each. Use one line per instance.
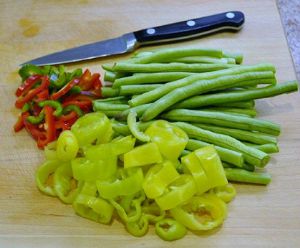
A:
(82, 101)
(66, 121)
(28, 84)
(85, 80)
(20, 122)
(49, 126)
(64, 90)
(34, 131)
(32, 93)
(90, 82)
(43, 95)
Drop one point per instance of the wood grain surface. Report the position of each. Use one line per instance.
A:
(258, 217)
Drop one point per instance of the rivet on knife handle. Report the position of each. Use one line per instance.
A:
(232, 20)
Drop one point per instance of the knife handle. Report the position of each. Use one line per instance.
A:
(231, 20)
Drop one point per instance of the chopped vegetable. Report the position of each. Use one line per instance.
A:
(70, 94)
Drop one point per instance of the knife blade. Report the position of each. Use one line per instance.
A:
(231, 20)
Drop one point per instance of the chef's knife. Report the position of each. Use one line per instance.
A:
(232, 20)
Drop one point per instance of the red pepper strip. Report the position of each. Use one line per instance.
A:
(42, 96)
(32, 93)
(86, 80)
(34, 131)
(27, 85)
(82, 101)
(66, 121)
(21, 121)
(49, 127)
(64, 90)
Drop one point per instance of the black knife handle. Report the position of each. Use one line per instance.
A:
(231, 20)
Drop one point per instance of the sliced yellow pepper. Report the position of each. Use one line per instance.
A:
(158, 178)
(181, 190)
(193, 165)
(226, 193)
(212, 165)
(170, 139)
(142, 155)
(201, 213)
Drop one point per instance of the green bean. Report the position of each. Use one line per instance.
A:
(141, 54)
(110, 113)
(138, 109)
(109, 76)
(109, 92)
(174, 53)
(190, 59)
(145, 78)
(247, 167)
(243, 176)
(113, 100)
(204, 59)
(253, 137)
(218, 98)
(244, 104)
(267, 148)
(169, 67)
(223, 120)
(248, 84)
(134, 129)
(237, 111)
(168, 87)
(108, 67)
(137, 89)
(251, 155)
(196, 88)
(230, 156)
(238, 57)
(101, 106)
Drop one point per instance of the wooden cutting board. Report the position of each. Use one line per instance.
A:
(259, 216)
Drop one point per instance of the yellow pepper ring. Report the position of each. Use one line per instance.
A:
(201, 213)
(181, 190)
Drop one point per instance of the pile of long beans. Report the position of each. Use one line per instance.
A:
(205, 92)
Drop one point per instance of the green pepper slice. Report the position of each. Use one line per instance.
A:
(43, 176)
(170, 139)
(178, 192)
(201, 213)
(63, 180)
(169, 229)
(92, 128)
(158, 178)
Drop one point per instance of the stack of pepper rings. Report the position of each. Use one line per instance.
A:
(106, 175)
